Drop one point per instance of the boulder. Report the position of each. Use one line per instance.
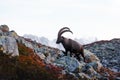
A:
(26, 43)
(1, 32)
(13, 34)
(9, 45)
(4, 28)
(90, 57)
(70, 64)
(42, 56)
(50, 54)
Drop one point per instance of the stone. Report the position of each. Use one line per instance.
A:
(108, 52)
(90, 57)
(89, 70)
(13, 34)
(83, 76)
(1, 32)
(96, 65)
(9, 45)
(42, 56)
(70, 64)
(4, 28)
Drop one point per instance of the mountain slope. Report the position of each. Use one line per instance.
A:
(29, 60)
(108, 52)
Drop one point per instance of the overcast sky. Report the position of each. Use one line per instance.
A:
(86, 18)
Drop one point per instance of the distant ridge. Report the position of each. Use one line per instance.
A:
(52, 43)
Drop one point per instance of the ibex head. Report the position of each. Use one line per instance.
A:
(61, 31)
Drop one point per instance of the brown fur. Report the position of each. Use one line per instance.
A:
(70, 45)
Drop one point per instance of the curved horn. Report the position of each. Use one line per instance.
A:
(62, 30)
(65, 31)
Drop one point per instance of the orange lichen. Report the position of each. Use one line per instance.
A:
(111, 75)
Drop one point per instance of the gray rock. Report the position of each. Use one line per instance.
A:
(90, 57)
(9, 45)
(4, 28)
(96, 65)
(13, 34)
(28, 44)
(70, 64)
(83, 76)
(1, 33)
(89, 70)
(42, 56)
(108, 52)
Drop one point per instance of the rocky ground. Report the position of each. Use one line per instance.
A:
(35, 60)
(108, 52)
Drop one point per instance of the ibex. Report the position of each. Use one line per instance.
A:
(69, 44)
